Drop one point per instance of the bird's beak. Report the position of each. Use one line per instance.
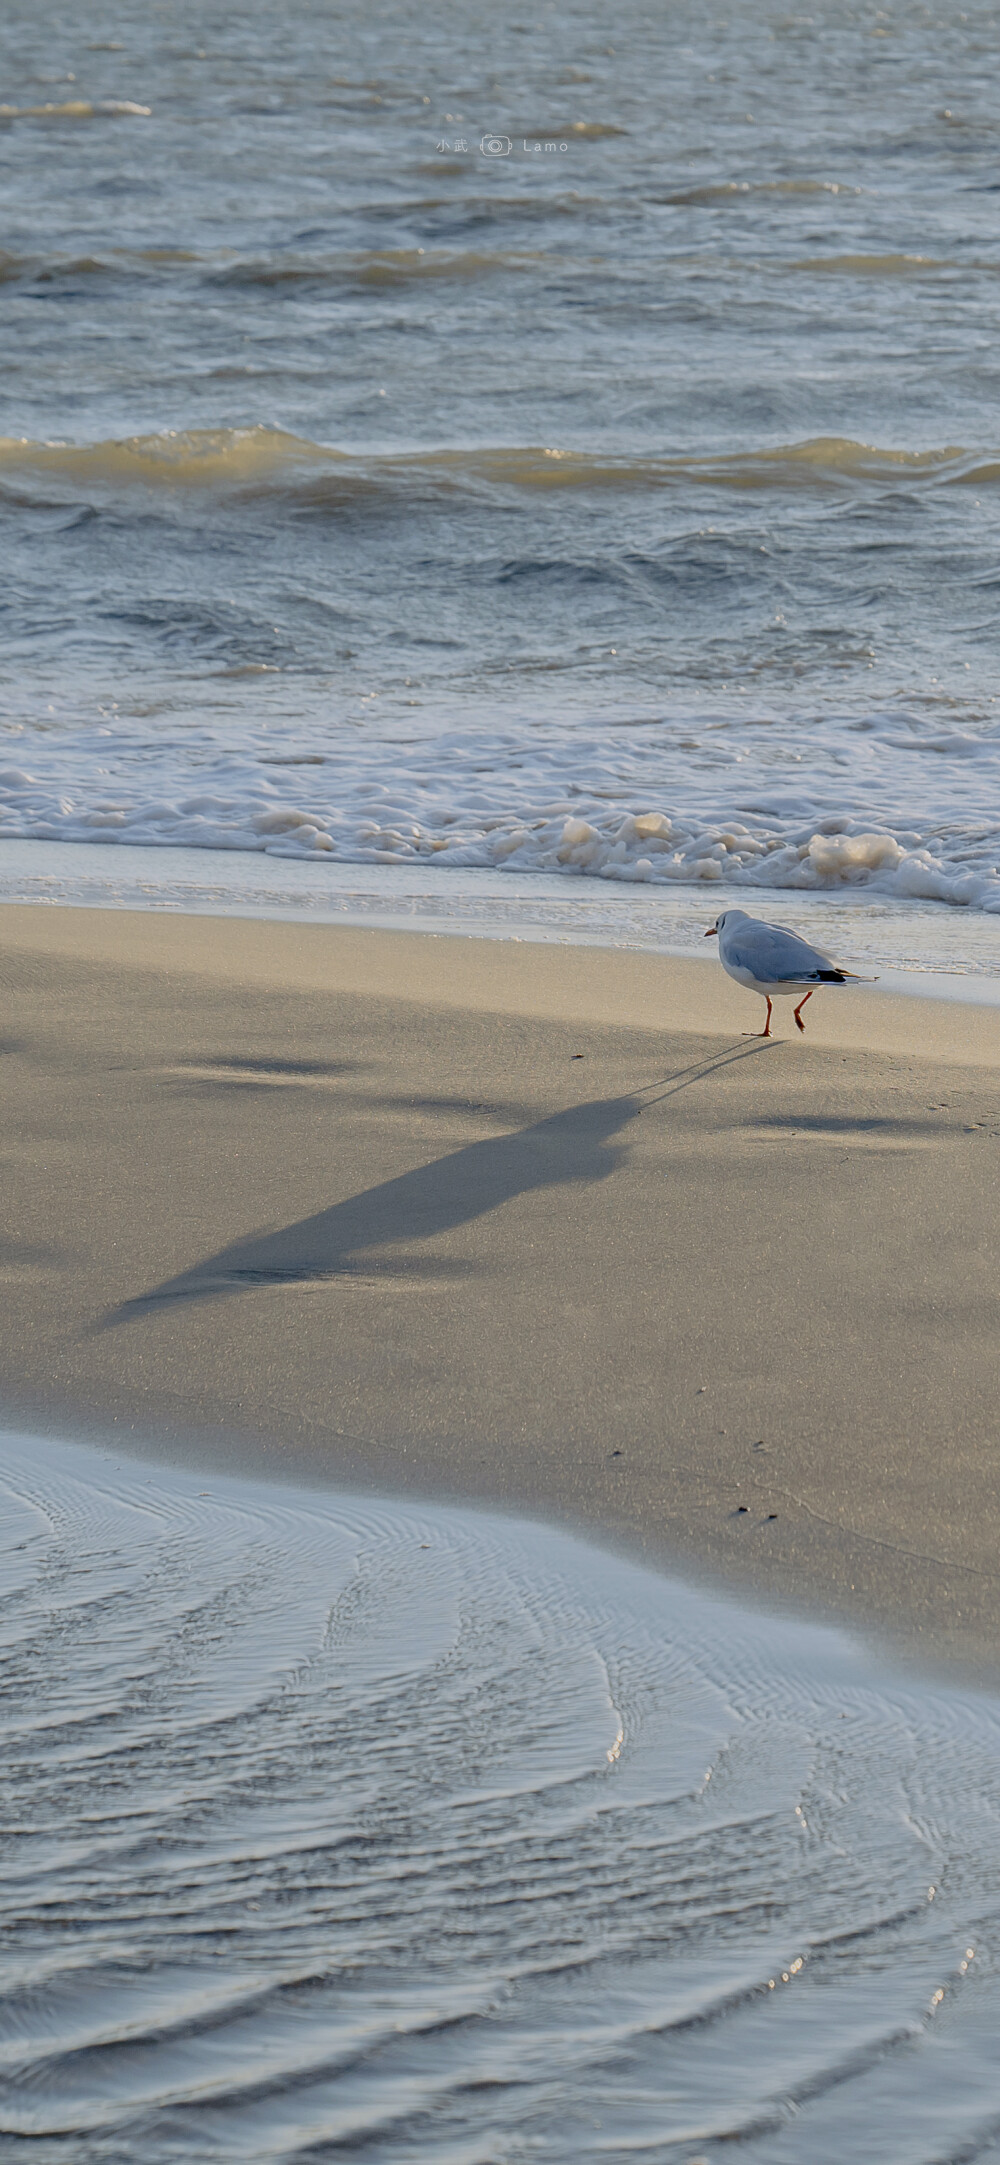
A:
(712, 930)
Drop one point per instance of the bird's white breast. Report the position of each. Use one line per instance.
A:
(739, 970)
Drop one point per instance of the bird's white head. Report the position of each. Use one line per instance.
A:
(723, 919)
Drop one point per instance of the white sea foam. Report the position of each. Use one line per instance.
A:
(725, 799)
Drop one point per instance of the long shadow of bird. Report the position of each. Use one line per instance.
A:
(567, 1148)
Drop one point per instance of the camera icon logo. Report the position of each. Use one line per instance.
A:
(495, 146)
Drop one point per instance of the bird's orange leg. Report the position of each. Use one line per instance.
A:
(798, 1012)
(766, 1031)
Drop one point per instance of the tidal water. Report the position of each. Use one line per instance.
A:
(332, 1827)
(557, 441)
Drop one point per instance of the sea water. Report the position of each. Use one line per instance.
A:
(333, 1826)
(556, 443)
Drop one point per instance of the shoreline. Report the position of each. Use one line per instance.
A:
(926, 949)
(345, 1205)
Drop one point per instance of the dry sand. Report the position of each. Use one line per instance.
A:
(523, 1225)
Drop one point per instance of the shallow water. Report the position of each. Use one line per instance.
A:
(907, 948)
(334, 1825)
(374, 498)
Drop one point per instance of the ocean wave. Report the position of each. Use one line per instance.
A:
(386, 824)
(361, 269)
(887, 266)
(378, 267)
(107, 263)
(179, 458)
(79, 109)
(744, 191)
(261, 460)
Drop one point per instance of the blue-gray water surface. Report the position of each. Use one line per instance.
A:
(559, 440)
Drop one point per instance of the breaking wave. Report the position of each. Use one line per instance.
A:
(438, 821)
(262, 459)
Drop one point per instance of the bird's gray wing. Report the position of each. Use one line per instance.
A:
(775, 956)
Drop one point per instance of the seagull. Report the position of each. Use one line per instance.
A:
(770, 960)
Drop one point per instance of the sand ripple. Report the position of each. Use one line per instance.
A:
(331, 1823)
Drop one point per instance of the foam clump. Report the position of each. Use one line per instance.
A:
(843, 856)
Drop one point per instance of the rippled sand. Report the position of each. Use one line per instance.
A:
(335, 1825)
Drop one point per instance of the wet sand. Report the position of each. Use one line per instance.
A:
(339, 1826)
(529, 1226)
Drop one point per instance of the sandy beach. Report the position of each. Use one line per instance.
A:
(532, 1227)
